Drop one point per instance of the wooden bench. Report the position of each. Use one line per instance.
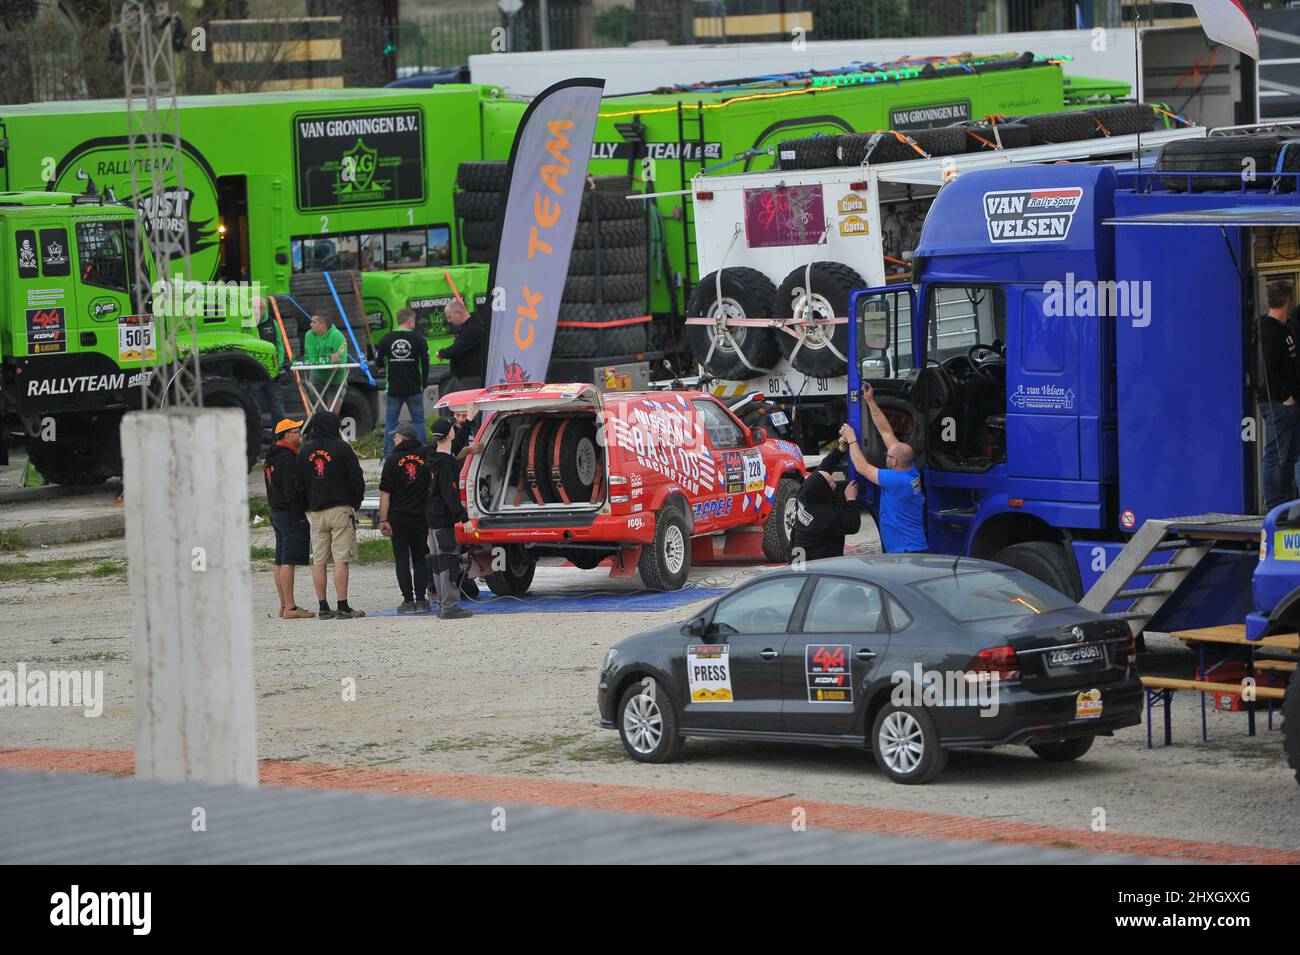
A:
(1160, 691)
(1278, 666)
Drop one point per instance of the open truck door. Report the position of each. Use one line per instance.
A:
(880, 354)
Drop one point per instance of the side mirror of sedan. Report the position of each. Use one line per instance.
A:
(757, 436)
(695, 628)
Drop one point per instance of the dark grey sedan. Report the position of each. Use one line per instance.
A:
(907, 655)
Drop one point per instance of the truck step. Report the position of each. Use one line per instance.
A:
(1160, 569)
(1142, 592)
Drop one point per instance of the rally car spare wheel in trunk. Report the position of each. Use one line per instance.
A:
(575, 461)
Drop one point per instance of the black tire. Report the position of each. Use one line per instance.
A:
(599, 314)
(517, 577)
(832, 284)
(613, 287)
(483, 235)
(1062, 750)
(220, 392)
(622, 340)
(477, 206)
(1124, 120)
(671, 546)
(787, 157)
(68, 466)
(357, 408)
(618, 233)
(914, 720)
(613, 259)
(657, 708)
(814, 152)
(484, 254)
(1291, 724)
(574, 464)
(1227, 154)
(776, 529)
(538, 445)
(941, 141)
(1010, 135)
(575, 343)
(483, 176)
(1065, 127)
(1045, 561)
(746, 293)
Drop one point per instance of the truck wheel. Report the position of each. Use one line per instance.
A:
(357, 409)
(477, 206)
(832, 283)
(1045, 561)
(612, 260)
(622, 340)
(574, 343)
(941, 141)
(67, 466)
(620, 232)
(780, 523)
(1291, 724)
(517, 577)
(475, 254)
(1065, 127)
(613, 287)
(483, 176)
(746, 293)
(666, 561)
(483, 235)
(219, 392)
(1223, 154)
(1011, 135)
(1125, 119)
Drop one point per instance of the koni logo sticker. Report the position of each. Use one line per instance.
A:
(1031, 215)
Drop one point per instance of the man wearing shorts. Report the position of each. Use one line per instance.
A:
(331, 483)
(292, 532)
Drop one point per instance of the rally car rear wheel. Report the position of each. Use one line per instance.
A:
(516, 576)
(905, 742)
(666, 561)
(647, 723)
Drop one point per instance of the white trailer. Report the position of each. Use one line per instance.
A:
(845, 228)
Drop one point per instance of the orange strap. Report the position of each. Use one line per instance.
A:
(614, 324)
(288, 350)
(454, 291)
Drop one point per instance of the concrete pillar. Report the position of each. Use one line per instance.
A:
(186, 487)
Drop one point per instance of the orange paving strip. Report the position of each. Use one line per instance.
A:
(668, 802)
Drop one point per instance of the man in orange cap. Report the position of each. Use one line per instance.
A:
(288, 514)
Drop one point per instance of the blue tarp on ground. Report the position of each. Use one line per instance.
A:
(582, 601)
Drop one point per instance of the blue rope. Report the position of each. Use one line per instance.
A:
(365, 365)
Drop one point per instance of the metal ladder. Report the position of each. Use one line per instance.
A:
(689, 118)
(1190, 538)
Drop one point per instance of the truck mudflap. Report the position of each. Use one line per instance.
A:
(49, 384)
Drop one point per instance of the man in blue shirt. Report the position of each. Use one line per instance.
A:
(902, 502)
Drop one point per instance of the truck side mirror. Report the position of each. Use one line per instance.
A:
(877, 367)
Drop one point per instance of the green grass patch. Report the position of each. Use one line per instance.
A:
(374, 550)
(370, 445)
(261, 553)
(257, 507)
(11, 541)
(67, 568)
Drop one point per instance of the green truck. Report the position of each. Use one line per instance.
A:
(81, 340)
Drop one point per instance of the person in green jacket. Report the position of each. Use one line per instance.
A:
(325, 346)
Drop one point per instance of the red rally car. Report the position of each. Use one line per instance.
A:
(643, 481)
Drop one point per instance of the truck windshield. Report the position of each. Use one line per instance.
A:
(991, 594)
(102, 255)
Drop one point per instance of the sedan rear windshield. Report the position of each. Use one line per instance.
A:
(991, 594)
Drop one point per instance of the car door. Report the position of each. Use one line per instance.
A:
(732, 674)
(833, 655)
(741, 470)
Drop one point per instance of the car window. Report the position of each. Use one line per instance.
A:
(843, 606)
(898, 615)
(762, 608)
(991, 594)
(722, 428)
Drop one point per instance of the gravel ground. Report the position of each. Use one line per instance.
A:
(516, 695)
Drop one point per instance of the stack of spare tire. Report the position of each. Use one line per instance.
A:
(603, 311)
(820, 295)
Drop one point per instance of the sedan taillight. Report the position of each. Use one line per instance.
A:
(1000, 660)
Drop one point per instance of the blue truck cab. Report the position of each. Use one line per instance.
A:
(1075, 360)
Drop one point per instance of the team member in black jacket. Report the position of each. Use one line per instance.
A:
(292, 532)
(405, 356)
(442, 513)
(1278, 392)
(823, 517)
(465, 353)
(403, 495)
(332, 485)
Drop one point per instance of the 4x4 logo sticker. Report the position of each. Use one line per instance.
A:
(1031, 215)
(830, 674)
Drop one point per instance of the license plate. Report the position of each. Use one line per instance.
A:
(1073, 656)
(778, 418)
